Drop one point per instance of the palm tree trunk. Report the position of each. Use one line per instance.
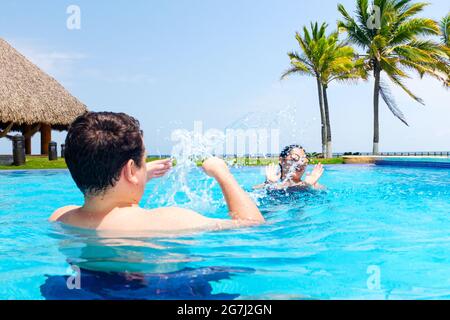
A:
(322, 117)
(329, 150)
(376, 102)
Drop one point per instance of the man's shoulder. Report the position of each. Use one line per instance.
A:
(61, 211)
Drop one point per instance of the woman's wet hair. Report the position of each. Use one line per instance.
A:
(98, 145)
(288, 149)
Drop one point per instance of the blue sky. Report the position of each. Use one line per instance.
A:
(170, 63)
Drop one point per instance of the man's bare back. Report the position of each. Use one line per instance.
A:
(171, 219)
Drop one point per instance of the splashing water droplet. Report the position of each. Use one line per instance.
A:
(186, 185)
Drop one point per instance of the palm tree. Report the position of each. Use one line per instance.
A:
(307, 63)
(327, 59)
(337, 64)
(391, 37)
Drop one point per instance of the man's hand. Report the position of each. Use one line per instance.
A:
(272, 174)
(214, 167)
(241, 207)
(158, 168)
(315, 175)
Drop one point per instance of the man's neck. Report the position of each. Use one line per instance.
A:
(104, 204)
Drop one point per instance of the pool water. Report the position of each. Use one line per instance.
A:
(377, 232)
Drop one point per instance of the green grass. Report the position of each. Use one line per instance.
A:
(37, 162)
(253, 162)
(42, 162)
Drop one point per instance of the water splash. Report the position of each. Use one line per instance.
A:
(292, 127)
(186, 185)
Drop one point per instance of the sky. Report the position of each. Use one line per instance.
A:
(171, 63)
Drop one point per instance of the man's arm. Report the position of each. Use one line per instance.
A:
(240, 205)
(158, 168)
(180, 219)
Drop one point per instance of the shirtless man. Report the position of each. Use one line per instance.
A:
(289, 173)
(105, 155)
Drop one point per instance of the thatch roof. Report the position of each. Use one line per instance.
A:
(29, 96)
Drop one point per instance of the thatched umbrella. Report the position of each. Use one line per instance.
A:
(31, 100)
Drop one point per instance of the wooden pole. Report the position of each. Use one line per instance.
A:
(46, 137)
(27, 135)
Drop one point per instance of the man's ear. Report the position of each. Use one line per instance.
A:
(129, 172)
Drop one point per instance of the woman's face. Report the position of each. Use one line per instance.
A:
(294, 165)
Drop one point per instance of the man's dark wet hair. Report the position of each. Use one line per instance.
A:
(288, 149)
(98, 145)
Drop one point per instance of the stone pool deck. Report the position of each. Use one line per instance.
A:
(422, 161)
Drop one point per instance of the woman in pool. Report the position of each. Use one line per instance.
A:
(290, 170)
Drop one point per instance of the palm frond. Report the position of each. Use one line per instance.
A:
(363, 11)
(423, 51)
(295, 70)
(398, 82)
(388, 98)
(355, 32)
(294, 57)
(445, 30)
(409, 10)
(413, 28)
(399, 4)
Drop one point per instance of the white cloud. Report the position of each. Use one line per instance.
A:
(64, 64)
(60, 64)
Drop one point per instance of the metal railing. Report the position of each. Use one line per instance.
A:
(335, 155)
(397, 153)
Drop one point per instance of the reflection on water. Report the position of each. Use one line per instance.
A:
(294, 197)
(116, 265)
(185, 284)
(146, 252)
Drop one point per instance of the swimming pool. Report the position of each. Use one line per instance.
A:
(378, 232)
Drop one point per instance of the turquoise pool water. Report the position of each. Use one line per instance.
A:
(378, 232)
(423, 162)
